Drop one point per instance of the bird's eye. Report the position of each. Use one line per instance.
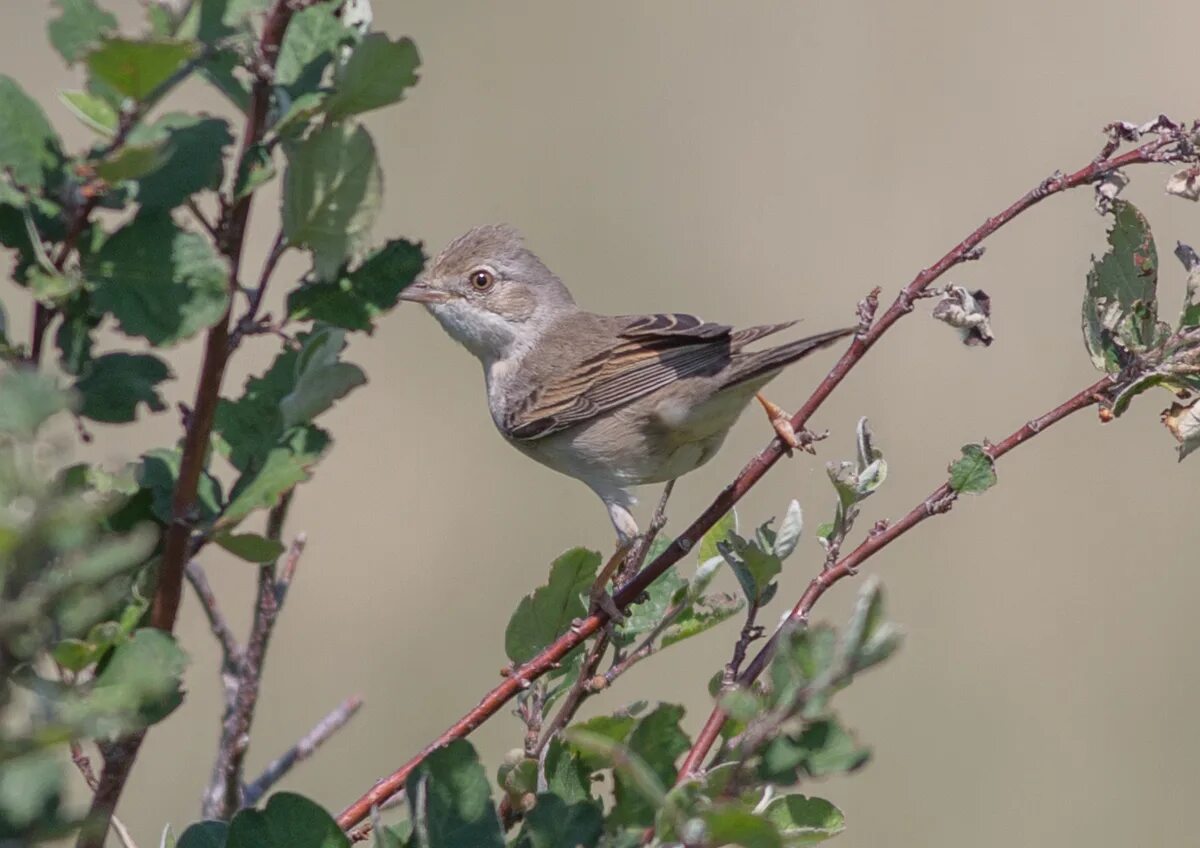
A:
(482, 280)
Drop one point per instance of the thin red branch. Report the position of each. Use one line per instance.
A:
(167, 594)
(1162, 148)
(938, 502)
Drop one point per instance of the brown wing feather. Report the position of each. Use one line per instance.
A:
(652, 351)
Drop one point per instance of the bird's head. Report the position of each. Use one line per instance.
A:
(490, 292)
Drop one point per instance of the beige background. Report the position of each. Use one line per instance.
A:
(751, 162)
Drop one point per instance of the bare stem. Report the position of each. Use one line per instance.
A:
(302, 750)
(224, 797)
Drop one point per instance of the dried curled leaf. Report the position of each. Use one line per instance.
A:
(1183, 420)
(1185, 183)
(967, 311)
(1107, 189)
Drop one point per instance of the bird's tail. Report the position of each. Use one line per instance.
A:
(764, 363)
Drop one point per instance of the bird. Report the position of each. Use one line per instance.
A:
(615, 401)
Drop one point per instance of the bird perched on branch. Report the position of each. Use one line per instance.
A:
(612, 400)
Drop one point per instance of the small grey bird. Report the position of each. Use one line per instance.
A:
(612, 400)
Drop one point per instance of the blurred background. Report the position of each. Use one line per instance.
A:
(750, 163)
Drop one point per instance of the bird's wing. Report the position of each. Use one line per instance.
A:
(647, 353)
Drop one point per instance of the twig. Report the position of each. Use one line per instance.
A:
(246, 324)
(937, 503)
(1171, 145)
(198, 214)
(165, 606)
(302, 750)
(644, 649)
(223, 797)
(750, 632)
(578, 693)
(230, 648)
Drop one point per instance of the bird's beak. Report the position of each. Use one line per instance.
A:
(420, 291)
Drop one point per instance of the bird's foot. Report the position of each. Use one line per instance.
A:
(781, 423)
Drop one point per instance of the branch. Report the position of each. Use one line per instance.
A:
(938, 502)
(1170, 144)
(167, 594)
(302, 750)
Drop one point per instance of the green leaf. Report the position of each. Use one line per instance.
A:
(752, 566)
(1120, 308)
(157, 280)
(641, 787)
(868, 639)
(377, 74)
(1143, 383)
(81, 25)
(451, 802)
(113, 386)
(704, 614)
(30, 792)
(358, 297)
(830, 749)
(285, 466)
(159, 472)
(52, 288)
(331, 194)
(707, 549)
(252, 425)
(27, 399)
(29, 146)
(250, 546)
(974, 472)
(789, 531)
(95, 112)
(143, 678)
(803, 656)
(255, 170)
(204, 834)
(289, 821)
(657, 741)
(544, 615)
(320, 378)
(137, 68)
(567, 776)
(553, 823)
(804, 821)
(74, 336)
(308, 48)
(193, 159)
(614, 728)
(295, 119)
(735, 825)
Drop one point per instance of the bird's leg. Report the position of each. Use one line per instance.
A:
(781, 422)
